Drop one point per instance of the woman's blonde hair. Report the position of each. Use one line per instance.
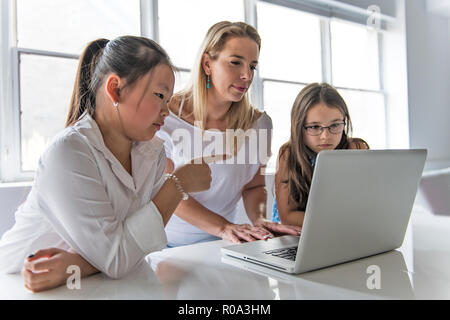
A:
(241, 114)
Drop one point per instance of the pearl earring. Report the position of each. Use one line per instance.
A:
(116, 104)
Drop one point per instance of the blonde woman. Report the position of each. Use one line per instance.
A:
(202, 118)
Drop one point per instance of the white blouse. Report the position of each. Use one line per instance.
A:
(183, 142)
(83, 200)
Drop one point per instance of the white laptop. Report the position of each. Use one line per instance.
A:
(359, 205)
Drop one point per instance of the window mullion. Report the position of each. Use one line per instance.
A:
(382, 88)
(257, 86)
(53, 54)
(325, 35)
(12, 127)
(10, 114)
(149, 19)
(285, 81)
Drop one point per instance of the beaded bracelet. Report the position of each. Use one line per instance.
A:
(184, 195)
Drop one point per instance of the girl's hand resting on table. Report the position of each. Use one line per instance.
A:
(47, 268)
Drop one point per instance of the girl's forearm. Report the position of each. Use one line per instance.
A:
(167, 199)
(292, 218)
(85, 267)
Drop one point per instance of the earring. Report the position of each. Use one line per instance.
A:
(208, 85)
(116, 104)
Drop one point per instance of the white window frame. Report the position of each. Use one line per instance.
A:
(326, 58)
(10, 133)
(10, 141)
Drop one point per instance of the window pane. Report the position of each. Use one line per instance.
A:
(278, 101)
(45, 90)
(68, 25)
(183, 25)
(367, 112)
(181, 80)
(354, 56)
(291, 45)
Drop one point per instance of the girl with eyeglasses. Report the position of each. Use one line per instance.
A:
(319, 121)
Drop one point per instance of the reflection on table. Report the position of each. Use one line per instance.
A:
(420, 269)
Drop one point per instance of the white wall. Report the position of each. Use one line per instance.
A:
(428, 60)
(440, 7)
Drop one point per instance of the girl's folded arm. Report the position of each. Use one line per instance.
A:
(75, 201)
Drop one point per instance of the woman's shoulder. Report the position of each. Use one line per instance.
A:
(262, 119)
(175, 104)
(357, 143)
(180, 101)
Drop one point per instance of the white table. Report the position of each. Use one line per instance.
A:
(420, 269)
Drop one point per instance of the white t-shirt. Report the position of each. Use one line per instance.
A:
(83, 200)
(183, 142)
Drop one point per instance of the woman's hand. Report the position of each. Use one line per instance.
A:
(47, 268)
(278, 228)
(238, 233)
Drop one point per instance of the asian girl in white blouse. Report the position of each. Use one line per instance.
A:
(99, 199)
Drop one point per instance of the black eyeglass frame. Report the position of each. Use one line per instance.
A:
(323, 128)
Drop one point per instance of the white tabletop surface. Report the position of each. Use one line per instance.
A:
(420, 269)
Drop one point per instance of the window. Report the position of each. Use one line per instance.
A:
(70, 25)
(47, 37)
(300, 48)
(354, 56)
(290, 44)
(290, 58)
(356, 74)
(368, 116)
(182, 42)
(278, 100)
(44, 102)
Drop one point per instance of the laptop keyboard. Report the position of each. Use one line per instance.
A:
(285, 253)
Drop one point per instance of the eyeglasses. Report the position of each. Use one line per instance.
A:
(335, 128)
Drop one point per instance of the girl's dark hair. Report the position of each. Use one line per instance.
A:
(300, 169)
(129, 57)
